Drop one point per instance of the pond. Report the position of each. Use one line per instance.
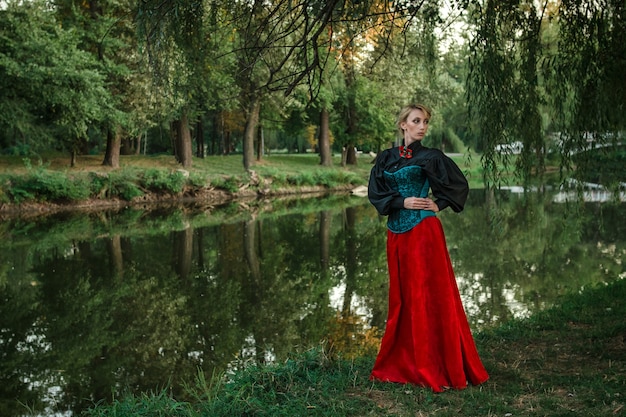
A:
(95, 305)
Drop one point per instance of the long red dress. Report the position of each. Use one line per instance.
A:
(427, 338)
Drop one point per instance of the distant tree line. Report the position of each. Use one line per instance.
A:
(210, 77)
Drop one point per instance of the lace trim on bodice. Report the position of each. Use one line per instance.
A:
(409, 181)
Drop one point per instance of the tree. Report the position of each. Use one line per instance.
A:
(107, 33)
(73, 74)
(541, 69)
(281, 44)
(501, 88)
(52, 91)
(172, 34)
(585, 81)
(215, 70)
(263, 68)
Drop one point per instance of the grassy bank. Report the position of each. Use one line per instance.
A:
(50, 181)
(569, 360)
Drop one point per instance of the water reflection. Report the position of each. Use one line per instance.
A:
(95, 305)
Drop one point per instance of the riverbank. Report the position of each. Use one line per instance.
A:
(569, 360)
(46, 185)
(50, 185)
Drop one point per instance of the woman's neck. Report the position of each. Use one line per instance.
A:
(408, 142)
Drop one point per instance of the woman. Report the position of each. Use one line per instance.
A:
(427, 339)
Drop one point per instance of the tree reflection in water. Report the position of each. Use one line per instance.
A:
(98, 304)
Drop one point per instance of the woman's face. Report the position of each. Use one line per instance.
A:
(415, 126)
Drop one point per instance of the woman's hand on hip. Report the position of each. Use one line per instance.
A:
(418, 203)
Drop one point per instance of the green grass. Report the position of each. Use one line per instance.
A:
(569, 360)
(50, 179)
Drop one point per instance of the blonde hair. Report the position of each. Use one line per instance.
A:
(404, 114)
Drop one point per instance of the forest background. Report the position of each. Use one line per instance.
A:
(191, 81)
(184, 78)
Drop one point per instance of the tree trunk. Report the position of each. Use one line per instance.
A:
(227, 144)
(138, 147)
(216, 143)
(112, 153)
(324, 139)
(351, 154)
(126, 146)
(174, 128)
(260, 148)
(252, 121)
(351, 117)
(73, 158)
(200, 153)
(182, 141)
(348, 155)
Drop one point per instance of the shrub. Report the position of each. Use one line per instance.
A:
(197, 180)
(162, 181)
(41, 185)
(114, 185)
(230, 184)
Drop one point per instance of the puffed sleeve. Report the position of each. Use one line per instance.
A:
(449, 185)
(382, 197)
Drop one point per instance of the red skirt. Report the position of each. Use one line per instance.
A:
(427, 338)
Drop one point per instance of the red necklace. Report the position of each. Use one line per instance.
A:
(406, 152)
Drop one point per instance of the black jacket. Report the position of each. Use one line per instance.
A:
(447, 182)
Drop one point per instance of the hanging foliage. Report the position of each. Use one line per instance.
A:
(542, 73)
(503, 93)
(586, 80)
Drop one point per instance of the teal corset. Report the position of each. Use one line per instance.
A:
(409, 182)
